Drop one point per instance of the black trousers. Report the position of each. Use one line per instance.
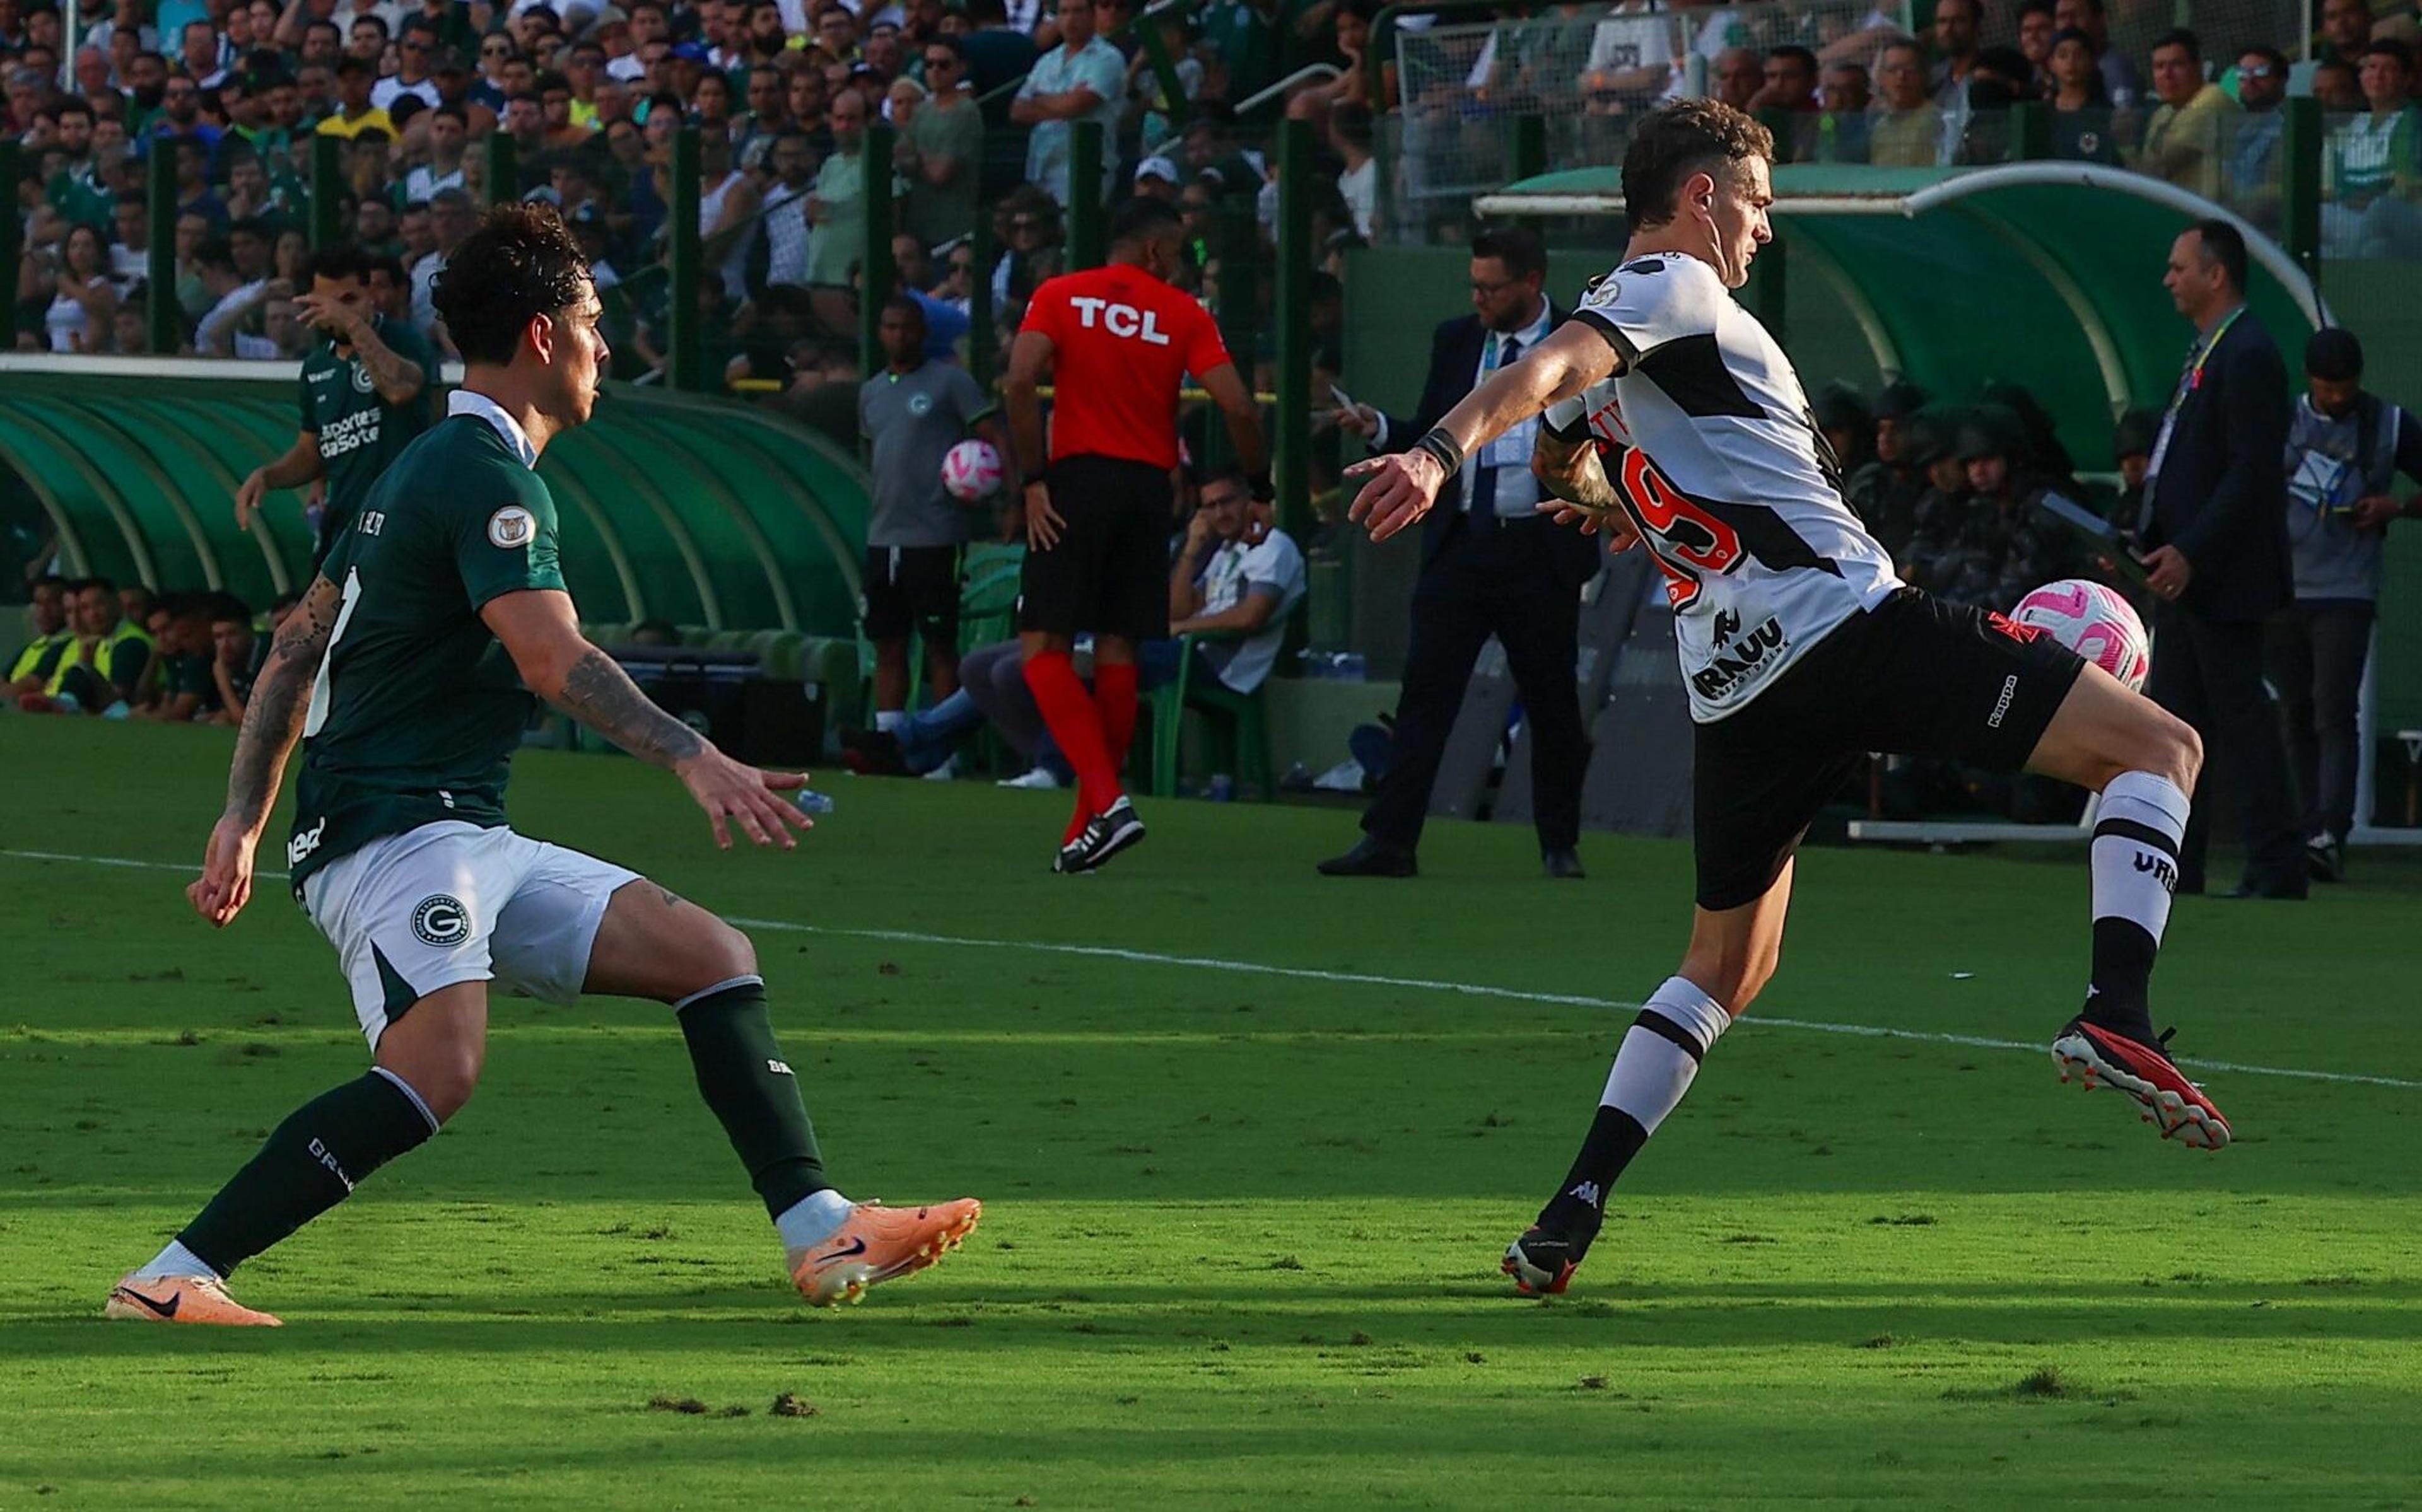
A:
(1501, 582)
(2209, 673)
(2315, 650)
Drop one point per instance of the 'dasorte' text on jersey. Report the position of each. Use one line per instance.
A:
(418, 709)
(1723, 470)
(357, 430)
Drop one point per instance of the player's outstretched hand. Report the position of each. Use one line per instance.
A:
(1400, 490)
(734, 792)
(226, 884)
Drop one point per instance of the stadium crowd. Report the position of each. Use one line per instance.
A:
(981, 98)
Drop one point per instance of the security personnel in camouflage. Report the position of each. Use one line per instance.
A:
(364, 395)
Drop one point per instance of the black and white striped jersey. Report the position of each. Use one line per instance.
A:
(1733, 489)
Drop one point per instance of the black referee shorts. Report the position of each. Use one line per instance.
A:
(1914, 676)
(1109, 571)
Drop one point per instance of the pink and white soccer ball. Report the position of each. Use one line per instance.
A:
(971, 471)
(2093, 621)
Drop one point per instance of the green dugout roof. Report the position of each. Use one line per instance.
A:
(700, 511)
(2047, 274)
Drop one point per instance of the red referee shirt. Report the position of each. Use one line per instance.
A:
(1123, 342)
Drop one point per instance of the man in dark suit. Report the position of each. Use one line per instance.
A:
(1491, 565)
(2214, 534)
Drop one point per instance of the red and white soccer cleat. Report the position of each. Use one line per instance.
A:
(875, 1244)
(181, 1300)
(2099, 1056)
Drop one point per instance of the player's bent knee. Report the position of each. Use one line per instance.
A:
(724, 954)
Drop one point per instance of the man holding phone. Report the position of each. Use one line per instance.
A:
(2345, 448)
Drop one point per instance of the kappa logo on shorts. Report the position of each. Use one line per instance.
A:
(441, 920)
(511, 528)
(2002, 705)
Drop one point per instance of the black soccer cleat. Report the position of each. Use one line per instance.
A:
(1103, 835)
(873, 753)
(1542, 1263)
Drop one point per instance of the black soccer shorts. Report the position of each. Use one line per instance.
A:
(1109, 571)
(1914, 676)
(913, 587)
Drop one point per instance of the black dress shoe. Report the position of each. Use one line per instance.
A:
(1371, 858)
(1562, 864)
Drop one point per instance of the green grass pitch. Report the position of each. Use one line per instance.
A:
(1242, 1227)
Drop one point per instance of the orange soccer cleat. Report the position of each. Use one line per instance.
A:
(876, 1243)
(182, 1300)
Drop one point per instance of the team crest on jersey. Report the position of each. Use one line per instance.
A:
(362, 384)
(511, 528)
(920, 405)
(441, 921)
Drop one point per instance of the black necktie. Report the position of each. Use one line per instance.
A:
(1483, 503)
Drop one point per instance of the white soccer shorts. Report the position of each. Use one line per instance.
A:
(453, 902)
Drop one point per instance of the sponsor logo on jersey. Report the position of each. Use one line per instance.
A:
(1727, 626)
(1748, 658)
(304, 843)
(349, 433)
(511, 528)
(441, 920)
(1120, 319)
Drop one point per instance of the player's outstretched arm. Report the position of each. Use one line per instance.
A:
(1400, 488)
(542, 633)
(273, 721)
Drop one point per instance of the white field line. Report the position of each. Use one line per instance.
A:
(1417, 984)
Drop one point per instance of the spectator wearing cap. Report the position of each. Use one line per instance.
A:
(1084, 78)
(1843, 419)
(2374, 171)
(939, 148)
(356, 113)
(2345, 448)
(2187, 138)
(1155, 178)
(1885, 489)
(1994, 547)
(1907, 131)
(2081, 123)
(2132, 452)
(2214, 535)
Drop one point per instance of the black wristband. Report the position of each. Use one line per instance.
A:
(1263, 489)
(1442, 446)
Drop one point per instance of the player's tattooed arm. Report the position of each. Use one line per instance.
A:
(281, 698)
(599, 693)
(1569, 469)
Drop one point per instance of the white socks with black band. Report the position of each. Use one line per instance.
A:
(1661, 1052)
(2137, 831)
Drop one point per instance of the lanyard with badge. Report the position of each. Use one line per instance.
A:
(2189, 382)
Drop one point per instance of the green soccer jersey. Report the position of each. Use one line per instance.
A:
(418, 709)
(361, 434)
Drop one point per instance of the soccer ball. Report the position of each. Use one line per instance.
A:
(971, 471)
(2093, 621)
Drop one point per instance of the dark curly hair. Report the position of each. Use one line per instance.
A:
(522, 262)
(1678, 140)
